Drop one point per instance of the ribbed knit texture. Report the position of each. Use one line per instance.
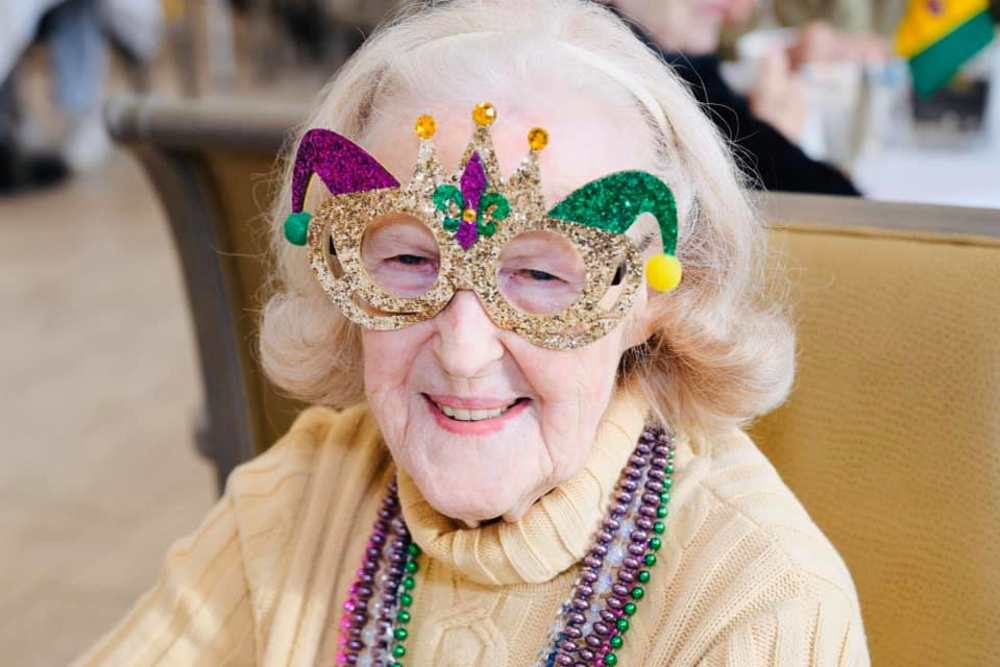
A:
(744, 577)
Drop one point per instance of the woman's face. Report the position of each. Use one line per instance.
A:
(693, 26)
(483, 421)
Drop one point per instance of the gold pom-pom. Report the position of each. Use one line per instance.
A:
(538, 139)
(425, 127)
(484, 114)
(663, 272)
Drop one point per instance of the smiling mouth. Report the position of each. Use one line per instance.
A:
(464, 414)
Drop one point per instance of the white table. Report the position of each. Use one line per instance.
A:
(966, 176)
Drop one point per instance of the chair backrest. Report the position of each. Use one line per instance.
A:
(213, 164)
(891, 437)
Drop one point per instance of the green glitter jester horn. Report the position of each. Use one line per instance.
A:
(613, 203)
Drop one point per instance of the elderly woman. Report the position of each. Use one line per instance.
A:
(527, 445)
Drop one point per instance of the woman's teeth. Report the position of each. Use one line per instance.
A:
(464, 415)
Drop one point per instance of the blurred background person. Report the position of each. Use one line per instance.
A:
(767, 124)
(77, 35)
(20, 168)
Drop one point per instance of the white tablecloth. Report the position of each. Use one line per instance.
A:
(961, 176)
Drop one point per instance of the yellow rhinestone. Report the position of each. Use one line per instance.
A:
(469, 215)
(425, 127)
(484, 114)
(538, 139)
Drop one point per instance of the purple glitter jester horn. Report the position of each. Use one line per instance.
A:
(344, 167)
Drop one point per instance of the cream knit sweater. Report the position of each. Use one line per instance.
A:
(744, 576)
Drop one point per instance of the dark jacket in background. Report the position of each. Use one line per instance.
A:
(777, 162)
(774, 162)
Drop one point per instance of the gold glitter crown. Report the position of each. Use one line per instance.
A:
(476, 198)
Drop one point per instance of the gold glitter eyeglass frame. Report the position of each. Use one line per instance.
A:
(472, 215)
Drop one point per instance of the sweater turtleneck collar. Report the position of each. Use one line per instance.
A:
(556, 531)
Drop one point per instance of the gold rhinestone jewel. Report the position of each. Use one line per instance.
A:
(538, 138)
(469, 215)
(484, 114)
(425, 127)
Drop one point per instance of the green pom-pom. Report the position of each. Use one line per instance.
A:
(297, 227)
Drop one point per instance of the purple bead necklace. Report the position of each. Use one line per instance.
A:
(592, 624)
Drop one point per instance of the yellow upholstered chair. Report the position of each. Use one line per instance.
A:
(891, 436)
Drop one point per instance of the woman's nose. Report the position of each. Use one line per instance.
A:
(468, 342)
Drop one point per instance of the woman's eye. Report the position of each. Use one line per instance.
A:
(409, 260)
(535, 274)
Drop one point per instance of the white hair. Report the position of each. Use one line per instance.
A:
(720, 354)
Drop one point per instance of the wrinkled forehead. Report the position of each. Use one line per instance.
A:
(587, 140)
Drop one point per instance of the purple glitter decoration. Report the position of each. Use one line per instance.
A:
(467, 234)
(473, 183)
(356, 607)
(344, 166)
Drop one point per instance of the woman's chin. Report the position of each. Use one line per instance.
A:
(470, 505)
(475, 478)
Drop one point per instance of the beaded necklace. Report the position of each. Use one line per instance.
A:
(592, 624)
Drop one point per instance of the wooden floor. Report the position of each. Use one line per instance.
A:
(100, 395)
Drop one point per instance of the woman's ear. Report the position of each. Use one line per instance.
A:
(641, 323)
(641, 326)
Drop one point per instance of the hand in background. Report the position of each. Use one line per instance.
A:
(821, 42)
(739, 11)
(779, 97)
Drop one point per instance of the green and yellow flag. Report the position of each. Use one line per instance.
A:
(938, 36)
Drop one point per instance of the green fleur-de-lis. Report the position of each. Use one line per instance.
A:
(448, 199)
(492, 208)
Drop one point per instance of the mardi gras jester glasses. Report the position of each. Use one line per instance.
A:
(391, 255)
